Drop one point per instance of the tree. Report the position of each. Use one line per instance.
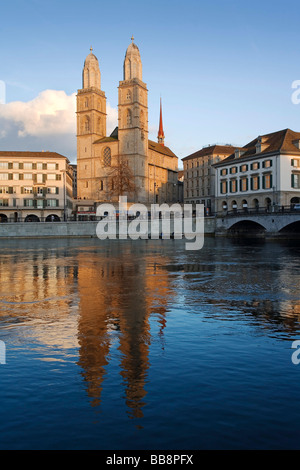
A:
(120, 180)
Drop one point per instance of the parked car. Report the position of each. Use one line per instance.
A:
(296, 207)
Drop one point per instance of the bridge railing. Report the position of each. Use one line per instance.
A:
(247, 211)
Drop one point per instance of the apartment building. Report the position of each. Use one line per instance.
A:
(199, 175)
(262, 175)
(35, 186)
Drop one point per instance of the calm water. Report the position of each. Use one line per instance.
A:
(143, 345)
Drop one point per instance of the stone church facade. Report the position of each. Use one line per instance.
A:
(125, 163)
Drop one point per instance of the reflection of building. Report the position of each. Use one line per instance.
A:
(110, 165)
(37, 286)
(117, 299)
(35, 186)
(199, 175)
(263, 174)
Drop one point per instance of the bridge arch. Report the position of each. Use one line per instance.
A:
(292, 228)
(247, 229)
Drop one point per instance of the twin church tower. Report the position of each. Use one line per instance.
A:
(126, 163)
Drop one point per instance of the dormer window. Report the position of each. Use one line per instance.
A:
(297, 143)
(238, 153)
(261, 144)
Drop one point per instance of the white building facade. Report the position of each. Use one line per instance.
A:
(35, 187)
(262, 176)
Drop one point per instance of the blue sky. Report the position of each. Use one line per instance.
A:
(224, 69)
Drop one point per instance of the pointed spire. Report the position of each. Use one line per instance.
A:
(161, 135)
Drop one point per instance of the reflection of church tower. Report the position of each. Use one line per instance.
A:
(91, 122)
(109, 286)
(133, 118)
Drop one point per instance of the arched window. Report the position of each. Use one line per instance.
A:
(107, 157)
(99, 126)
(87, 124)
(101, 185)
(128, 74)
(129, 117)
(142, 119)
(86, 103)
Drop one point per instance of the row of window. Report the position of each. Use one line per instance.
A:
(245, 167)
(37, 203)
(37, 177)
(29, 190)
(28, 166)
(242, 185)
(196, 192)
(198, 163)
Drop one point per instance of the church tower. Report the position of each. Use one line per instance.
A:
(133, 119)
(91, 123)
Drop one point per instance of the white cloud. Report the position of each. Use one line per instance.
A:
(51, 112)
(51, 115)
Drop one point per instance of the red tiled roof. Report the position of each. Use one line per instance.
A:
(276, 142)
(160, 148)
(25, 154)
(211, 150)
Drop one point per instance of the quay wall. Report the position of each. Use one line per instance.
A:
(69, 229)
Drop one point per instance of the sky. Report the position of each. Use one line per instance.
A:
(223, 69)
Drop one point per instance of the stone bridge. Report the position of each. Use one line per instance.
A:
(259, 225)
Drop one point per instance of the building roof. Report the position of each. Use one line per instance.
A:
(160, 148)
(211, 150)
(21, 154)
(91, 58)
(105, 139)
(155, 146)
(276, 142)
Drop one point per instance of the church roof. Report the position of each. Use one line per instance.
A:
(105, 139)
(151, 144)
(132, 49)
(90, 58)
(160, 148)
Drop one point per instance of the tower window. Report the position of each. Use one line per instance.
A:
(107, 157)
(129, 117)
(128, 96)
(87, 124)
(99, 126)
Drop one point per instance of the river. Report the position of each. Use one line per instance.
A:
(144, 345)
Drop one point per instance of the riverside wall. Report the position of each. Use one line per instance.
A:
(68, 229)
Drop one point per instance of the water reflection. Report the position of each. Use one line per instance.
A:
(104, 300)
(118, 294)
